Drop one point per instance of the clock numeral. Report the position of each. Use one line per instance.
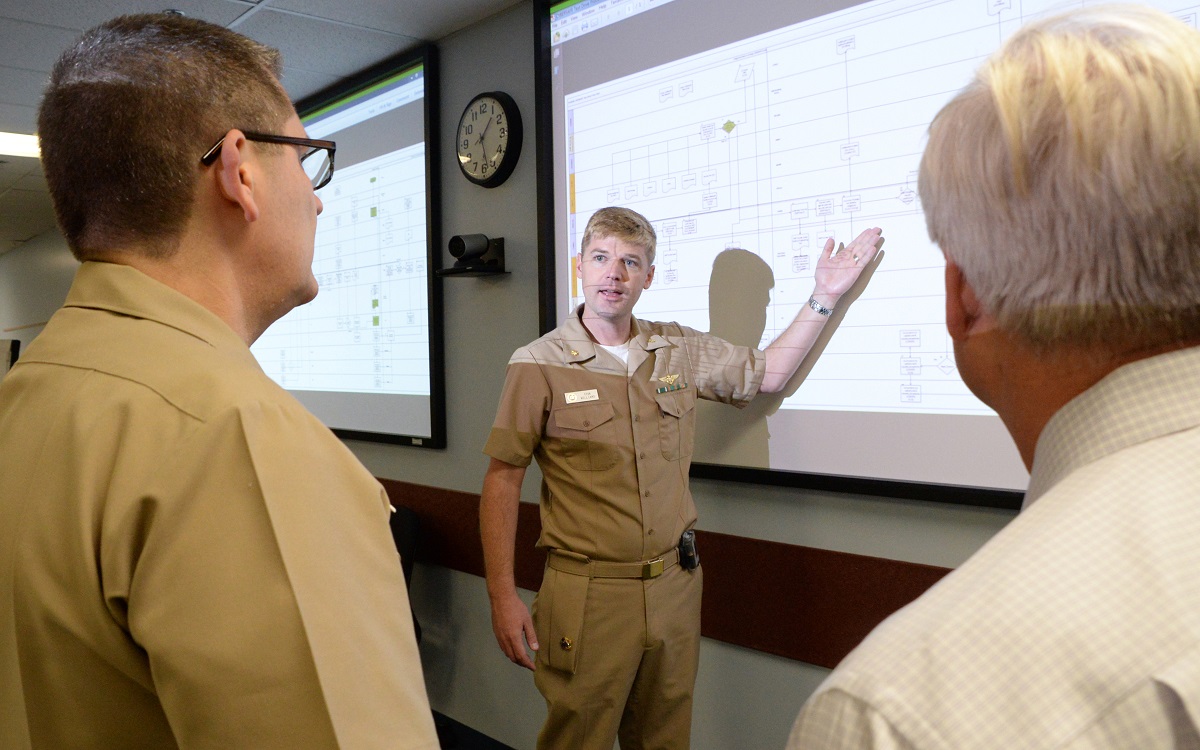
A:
(491, 165)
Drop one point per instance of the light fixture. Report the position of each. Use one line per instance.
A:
(16, 144)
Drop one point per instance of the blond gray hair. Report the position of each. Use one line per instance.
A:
(623, 224)
(1065, 180)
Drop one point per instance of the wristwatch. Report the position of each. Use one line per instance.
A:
(820, 309)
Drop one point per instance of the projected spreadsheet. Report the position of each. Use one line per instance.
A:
(367, 330)
(774, 144)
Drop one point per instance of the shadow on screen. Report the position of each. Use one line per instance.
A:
(739, 293)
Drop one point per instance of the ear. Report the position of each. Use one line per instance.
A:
(649, 278)
(964, 314)
(236, 178)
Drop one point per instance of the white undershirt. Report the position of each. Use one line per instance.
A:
(620, 351)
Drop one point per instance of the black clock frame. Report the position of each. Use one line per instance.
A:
(516, 134)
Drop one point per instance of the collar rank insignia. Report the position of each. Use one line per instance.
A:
(671, 385)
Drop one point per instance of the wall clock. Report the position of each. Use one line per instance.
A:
(489, 138)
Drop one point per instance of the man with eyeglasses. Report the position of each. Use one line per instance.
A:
(188, 558)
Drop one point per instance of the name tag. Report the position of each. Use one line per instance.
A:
(576, 397)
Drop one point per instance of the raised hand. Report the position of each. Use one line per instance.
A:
(838, 269)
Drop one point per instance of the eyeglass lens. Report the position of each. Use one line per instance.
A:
(316, 165)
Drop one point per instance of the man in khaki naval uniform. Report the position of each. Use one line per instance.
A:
(606, 404)
(188, 558)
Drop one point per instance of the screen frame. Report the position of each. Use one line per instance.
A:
(424, 55)
(14, 352)
(984, 497)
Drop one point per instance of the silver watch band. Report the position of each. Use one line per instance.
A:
(821, 309)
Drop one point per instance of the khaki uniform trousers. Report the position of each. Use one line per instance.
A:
(633, 646)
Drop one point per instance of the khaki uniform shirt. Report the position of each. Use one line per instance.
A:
(615, 443)
(187, 556)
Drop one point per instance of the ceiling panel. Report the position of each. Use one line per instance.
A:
(34, 181)
(84, 14)
(18, 118)
(342, 50)
(427, 20)
(22, 86)
(300, 83)
(13, 168)
(26, 214)
(33, 46)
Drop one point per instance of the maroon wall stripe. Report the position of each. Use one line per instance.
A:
(802, 603)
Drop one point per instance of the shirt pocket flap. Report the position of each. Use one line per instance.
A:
(676, 404)
(584, 417)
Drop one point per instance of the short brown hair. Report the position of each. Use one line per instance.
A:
(128, 112)
(624, 224)
(1064, 180)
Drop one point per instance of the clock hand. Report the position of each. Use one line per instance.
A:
(487, 125)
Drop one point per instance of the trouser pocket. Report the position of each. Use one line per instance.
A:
(558, 618)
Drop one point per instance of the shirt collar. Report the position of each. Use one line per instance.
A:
(124, 290)
(1135, 403)
(578, 346)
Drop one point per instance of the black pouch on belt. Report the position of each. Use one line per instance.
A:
(689, 558)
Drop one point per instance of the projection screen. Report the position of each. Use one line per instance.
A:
(366, 355)
(748, 133)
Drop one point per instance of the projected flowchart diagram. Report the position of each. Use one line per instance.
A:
(777, 142)
(367, 329)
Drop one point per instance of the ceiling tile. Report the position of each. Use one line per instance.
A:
(343, 50)
(29, 202)
(33, 46)
(25, 214)
(420, 20)
(13, 168)
(9, 174)
(16, 118)
(78, 16)
(33, 182)
(21, 86)
(302, 83)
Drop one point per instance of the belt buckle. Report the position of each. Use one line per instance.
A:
(652, 568)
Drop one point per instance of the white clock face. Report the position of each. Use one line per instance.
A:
(483, 135)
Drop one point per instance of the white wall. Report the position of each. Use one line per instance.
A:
(745, 699)
(34, 280)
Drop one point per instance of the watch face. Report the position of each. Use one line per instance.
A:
(488, 140)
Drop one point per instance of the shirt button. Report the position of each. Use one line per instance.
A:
(650, 532)
(586, 423)
(637, 418)
(646, 493)
(642, 455)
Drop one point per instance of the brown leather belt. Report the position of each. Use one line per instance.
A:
(580, 565)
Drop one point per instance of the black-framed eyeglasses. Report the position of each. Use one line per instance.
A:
(317, 160)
